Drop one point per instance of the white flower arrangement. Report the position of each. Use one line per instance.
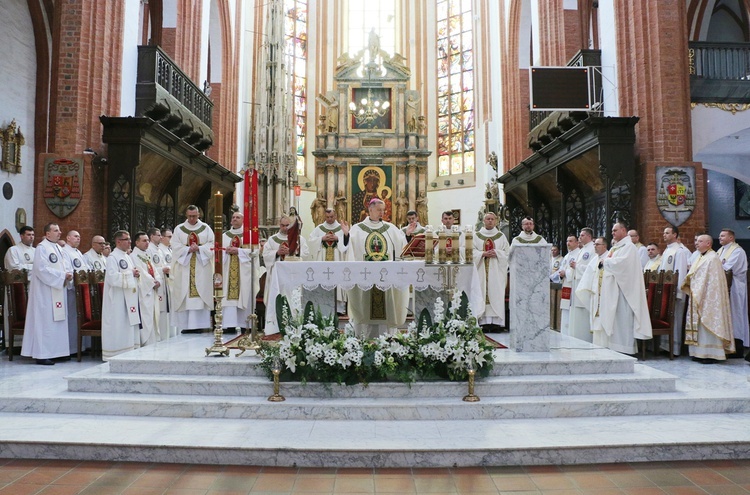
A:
(313, 349)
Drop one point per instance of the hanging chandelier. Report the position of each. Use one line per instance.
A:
(368, 109)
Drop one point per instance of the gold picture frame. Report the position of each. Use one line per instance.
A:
(12, 141)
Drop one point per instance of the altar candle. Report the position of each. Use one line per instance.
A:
(456, 252)
(441, 246)
(428, 245)
(218, 224)
(469, 252)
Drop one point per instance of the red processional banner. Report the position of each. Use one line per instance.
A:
(251, 234)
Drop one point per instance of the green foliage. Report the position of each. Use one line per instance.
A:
(313, 349)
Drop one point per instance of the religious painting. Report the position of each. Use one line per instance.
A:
(63, 183)
(675, 193)
(370, 109)
(368, 182)
(741, 200)
(456, 216)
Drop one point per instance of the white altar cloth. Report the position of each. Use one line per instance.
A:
(384, 275)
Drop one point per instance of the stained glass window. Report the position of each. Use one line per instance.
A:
(455, 87)
(364, 16)
(295, 30)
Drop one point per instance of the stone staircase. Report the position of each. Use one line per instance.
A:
(602, 397)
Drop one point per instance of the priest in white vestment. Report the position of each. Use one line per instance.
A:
(654, 258)
(527, 235)
(448, 221)
(375, 312)
(734, 258)
(579, 325)
(149, 282)
(567, 277)
(412, 227)
(162, 267)
(165, 250)
(555, 262)
(19, 257)
(326, 243)
(491, 251)
(623, 308)
(238, 267)
(275, 250)
(642, 250)
(708, 324)
(45, 334)
(192, 273)
(675, 258)
(78, 261)
(94, 258)
(588, 289)
(120, 318)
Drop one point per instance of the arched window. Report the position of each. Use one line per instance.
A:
(295, 32)
(455, 87)
(364, 16)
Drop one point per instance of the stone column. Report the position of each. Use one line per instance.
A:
(529, 297)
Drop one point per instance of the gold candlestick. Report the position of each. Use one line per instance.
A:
(218, 345)
(470, 397)
(249, 342)
(276, 370)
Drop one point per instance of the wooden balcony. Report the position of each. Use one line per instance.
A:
(167, 95)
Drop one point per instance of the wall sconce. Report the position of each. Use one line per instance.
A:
(447, 182)
(433, 184)
(460, 182)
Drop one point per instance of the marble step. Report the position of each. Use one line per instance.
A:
(397, 409)
(360, 444)
(643, 380)
(507, 363)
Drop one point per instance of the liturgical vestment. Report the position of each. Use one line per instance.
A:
(708, 323)
(375, 311)
(45, 334)
(193, 288)
(148, 296)
(239, 288)
(120, 319)
(493, 274)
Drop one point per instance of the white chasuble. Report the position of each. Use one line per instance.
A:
(493, 274)
(193, 275)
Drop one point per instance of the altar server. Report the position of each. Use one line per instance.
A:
(162, 266)
(19, 257)
(120, 319)
(579, 325)
(149, 281)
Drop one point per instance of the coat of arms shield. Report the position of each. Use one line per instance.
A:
(675, 193)
(63, 180)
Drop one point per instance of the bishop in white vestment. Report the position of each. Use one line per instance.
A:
(149, 282)
(708, 325)
(192, 272)
(491, 251)
(120, 318)
(45, 334)
(375, 312)
(238, 267)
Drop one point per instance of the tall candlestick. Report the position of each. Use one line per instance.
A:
(469, 253)
(218, 227)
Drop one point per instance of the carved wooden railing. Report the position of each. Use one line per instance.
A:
(719, 72)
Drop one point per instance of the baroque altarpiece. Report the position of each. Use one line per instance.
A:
(371, 140)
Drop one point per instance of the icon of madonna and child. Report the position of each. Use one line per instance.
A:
(373, 183)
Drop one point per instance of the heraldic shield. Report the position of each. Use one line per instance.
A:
(675, 193)
(63, 182)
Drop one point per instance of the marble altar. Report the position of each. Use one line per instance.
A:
(529, 298)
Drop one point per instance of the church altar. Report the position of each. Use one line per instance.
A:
(288, 276)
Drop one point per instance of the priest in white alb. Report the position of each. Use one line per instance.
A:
(708, 323)
(622, 307)
(120, 319)
(579, 324)
(491, 250)
(19, 257)
(588, 289)
(567, 277)
(95, 260)
(149, 282)
(675, 258)
(733, 258)
(192, 272)
(326, 243)
(375, 312)
(238, 266)
(45, 334)
(162, 266)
